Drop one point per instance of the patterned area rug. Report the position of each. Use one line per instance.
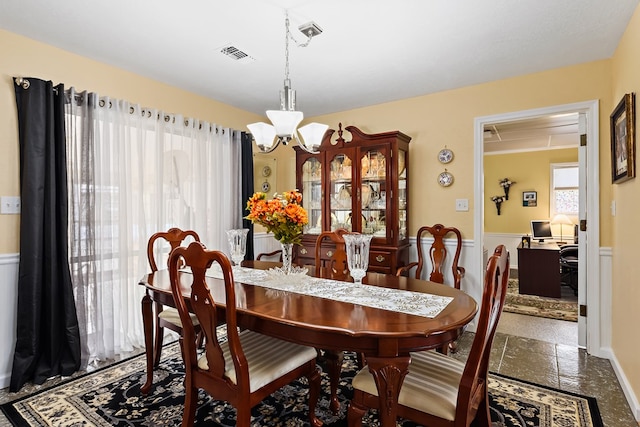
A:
(111, 397)
(533, 305)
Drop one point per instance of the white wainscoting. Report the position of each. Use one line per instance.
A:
(605, 328)
(8, 316)
(264, 243)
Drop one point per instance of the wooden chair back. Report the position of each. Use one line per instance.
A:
(216, 376)
(166, 317)
(474, 383)
(437, 254)
(435, 374)
(333, 256)
(174, 237)
(270, 256)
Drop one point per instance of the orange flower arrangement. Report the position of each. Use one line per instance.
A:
(283, 215)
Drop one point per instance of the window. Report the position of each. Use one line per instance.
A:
(565, 193)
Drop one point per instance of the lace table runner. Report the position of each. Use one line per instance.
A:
(408, 302)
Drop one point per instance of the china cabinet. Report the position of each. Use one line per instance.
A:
(357, 181)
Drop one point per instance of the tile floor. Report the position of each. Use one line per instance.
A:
(545, 352)
(530, 348)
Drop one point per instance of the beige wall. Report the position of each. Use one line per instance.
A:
(625, 230)
(447, 118)
(28, 58)
(531, 172)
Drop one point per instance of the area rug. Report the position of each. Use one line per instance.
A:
(111, 397)
(533, 305)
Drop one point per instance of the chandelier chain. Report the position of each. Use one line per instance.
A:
(286, 48)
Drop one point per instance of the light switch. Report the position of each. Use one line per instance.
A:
(462, 205)
(10, 205)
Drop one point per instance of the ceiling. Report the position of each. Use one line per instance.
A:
(540, 133)
(370, 51)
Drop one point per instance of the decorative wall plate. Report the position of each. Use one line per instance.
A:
(445, 156)
(445, 179)
(266, 171)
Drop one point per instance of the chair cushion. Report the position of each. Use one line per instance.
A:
(268, 358)
(431, 386)
(171, 315)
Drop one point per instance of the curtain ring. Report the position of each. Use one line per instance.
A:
(101, 103)
(200, 126)
(22, 82)
(167, 118)
(131, 110)
(186, 122)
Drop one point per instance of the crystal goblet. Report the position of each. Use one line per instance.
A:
(357, 246)
(237, 244)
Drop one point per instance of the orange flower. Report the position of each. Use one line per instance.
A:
(282, 216)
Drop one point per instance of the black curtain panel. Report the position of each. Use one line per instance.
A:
(48, 340)
(247, 188)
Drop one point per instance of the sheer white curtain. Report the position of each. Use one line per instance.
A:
(134, 171)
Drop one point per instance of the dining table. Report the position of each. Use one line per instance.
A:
(384, 320)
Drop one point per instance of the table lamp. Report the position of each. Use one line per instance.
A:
(561, 219)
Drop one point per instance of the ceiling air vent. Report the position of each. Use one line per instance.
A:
(236, 54)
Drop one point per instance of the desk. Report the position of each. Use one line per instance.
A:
(384, 337)
(539, 270)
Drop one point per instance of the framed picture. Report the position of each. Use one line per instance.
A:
(529, 198)
(623, 139)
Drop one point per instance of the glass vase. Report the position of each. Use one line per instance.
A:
(287, 257)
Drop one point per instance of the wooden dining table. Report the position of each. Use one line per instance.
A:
(384, 337)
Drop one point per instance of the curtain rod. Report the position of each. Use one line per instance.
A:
(21, 81)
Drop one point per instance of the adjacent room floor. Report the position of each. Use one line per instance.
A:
(545, 351)
(535, 349)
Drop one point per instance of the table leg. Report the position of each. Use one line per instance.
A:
(147, 319)
(334, 368)
(389, 373)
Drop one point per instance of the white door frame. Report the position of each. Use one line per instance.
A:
(591, 194)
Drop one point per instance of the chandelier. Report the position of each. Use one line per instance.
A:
(285, 121)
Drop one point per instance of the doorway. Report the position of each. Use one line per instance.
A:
(589, 274)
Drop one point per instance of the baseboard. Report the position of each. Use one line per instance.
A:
(624, 384)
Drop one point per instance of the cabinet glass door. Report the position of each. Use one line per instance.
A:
(402, 195)
(340, 192)
(374, 192)
(312, 194)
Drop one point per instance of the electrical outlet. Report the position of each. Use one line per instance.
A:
(462, 205)
(9, 205)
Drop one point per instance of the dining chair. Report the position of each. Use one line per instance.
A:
(331, 262)
(437, 257)
(438, 390)
(332, 256)
(166, 317)
(246, 367)
(268, 256)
